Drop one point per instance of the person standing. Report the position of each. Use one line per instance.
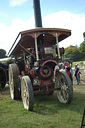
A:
(77, 74)
(69, 71)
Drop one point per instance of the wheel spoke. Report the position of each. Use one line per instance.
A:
(64, 94)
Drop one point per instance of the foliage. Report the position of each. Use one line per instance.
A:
(76, 53)
(48, 111)
(84, 36)
(82, 48)
(2, 53)
(73, 53)
(79, 63)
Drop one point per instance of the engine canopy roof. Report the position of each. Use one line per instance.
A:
(26, 38)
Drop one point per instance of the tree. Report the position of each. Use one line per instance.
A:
(84, 36)
(2, 53)
(73, 53)
(82, 48)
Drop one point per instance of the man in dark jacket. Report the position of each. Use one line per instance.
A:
(77, 74)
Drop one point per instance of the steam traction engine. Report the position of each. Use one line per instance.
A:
(36, 54)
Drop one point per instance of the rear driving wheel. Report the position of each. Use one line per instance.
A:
(13, 81)
(65, 88)
(3, 77)
(27, 93)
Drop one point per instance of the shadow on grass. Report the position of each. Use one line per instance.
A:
(49, 104)
(5, 91)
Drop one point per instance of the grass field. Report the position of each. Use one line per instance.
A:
(79, 63)
(48, 111)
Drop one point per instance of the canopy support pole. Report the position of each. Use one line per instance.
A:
(36, 48)
(57, 45)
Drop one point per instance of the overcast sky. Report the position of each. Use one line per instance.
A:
(18, 15)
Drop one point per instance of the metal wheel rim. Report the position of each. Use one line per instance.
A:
(11, 83)
(25, 95)
(62, 94)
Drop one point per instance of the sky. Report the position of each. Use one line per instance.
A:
(18, 15)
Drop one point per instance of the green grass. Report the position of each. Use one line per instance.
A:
(79, 63)
(48, 112)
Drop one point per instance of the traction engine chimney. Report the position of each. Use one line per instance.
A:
(37, 13)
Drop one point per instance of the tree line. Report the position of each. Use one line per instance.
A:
(76, 53)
